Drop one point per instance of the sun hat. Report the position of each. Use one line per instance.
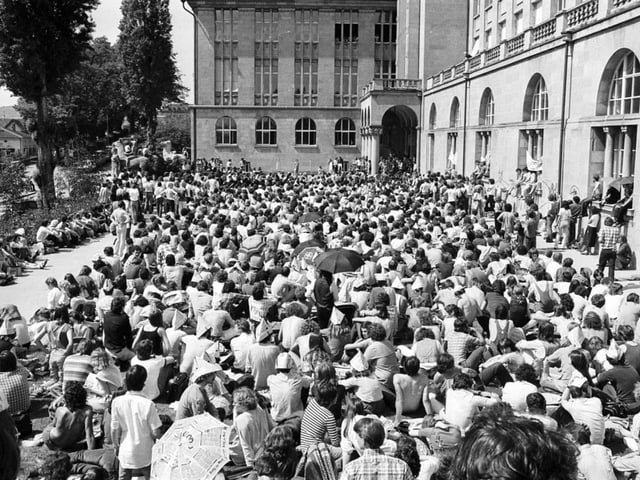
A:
(203, 369)
(21, 232)
(284, 361)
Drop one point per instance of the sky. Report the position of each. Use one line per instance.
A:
(107, 17)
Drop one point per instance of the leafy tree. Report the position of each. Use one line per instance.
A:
(41, 42)
(90, 101)
(13, 183)
(150, 74)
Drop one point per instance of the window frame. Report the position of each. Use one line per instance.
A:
(226, 126)
(268, 131)
(340, 132)
(308, 132)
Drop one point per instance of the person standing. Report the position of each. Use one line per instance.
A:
(609, 237)
(135, 425)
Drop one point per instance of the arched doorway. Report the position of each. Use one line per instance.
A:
(399, 135)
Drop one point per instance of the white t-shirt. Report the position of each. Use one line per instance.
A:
(153, 366)
(136, 416)
(515, 394)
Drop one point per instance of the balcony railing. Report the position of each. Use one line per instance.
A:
(582, 13)
(515, 44)
(544, 31)
(579, 17)
(378, 84)
(493, 54)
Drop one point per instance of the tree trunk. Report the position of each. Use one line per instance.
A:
(45, 163)
(152, 125)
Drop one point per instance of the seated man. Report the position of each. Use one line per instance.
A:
(14, 384)
(72, 423)
(412, 391)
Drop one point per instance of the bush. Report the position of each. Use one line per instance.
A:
(13, 184)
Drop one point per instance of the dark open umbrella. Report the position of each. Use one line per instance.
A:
(338, 260)
(309, 217)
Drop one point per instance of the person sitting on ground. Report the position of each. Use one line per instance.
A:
(157, 367)
(251, 425)
(462, 403)
(538, 454)
(72, 426)
(412, 390)
(372, 463)
(195, 399)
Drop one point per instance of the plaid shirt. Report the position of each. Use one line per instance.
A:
(375, 466)
(15, 386)
(609, 237)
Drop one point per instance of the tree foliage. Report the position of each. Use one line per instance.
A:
(90, 101)
(13, 183)
(150, 74)
(41, 42)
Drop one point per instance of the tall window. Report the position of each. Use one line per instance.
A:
(226, 131)
(266, 132)
(306, 57)
(518, 23)
(454, 118)
(266, 57)
(225, 49)
(385, 44)
(433, 112)
(305, 132)
(345, 132)
(540, 102)
(624, 93)
(487, 108)
(346, 59)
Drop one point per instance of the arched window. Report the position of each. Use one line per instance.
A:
(266, 131)
(345, 132)
(487, 108)
(624, 92)
(540, 102)
(454, 118)
(226, 131)
(433, 112)
(305, 132)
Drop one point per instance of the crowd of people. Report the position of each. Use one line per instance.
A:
(453, 349)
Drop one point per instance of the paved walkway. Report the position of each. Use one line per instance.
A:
(29, 291)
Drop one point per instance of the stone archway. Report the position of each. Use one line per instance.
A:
(399, 134)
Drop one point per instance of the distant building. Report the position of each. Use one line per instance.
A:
(14, 138)
(280, 81)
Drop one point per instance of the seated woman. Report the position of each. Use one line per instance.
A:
(72, 427)
(251, 424)
(366, 385)
(154, 331)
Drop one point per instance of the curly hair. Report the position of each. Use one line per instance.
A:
(489, 451)
(75, 396)
(377, 333)
(245, 398)
(310, 326)
(408, 452)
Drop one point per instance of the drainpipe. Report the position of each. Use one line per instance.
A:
(568, 55)
(466, 89)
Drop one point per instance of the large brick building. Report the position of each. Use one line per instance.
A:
(280, 81)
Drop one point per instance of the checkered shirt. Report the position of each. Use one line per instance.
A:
(375, 466)
(15, 386)
(609, 237)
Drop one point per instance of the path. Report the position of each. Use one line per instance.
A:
(29, 291)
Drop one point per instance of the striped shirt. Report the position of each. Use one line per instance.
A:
(76, 368)
(317, 422)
